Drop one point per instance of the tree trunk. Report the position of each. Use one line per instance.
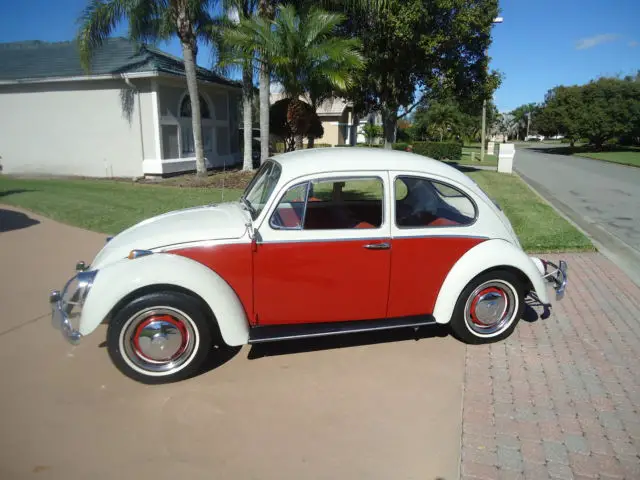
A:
(389, 121)
(264, 112)
(196, 120)
(354, 130)
(299, 142)
(247, 107)
(310, 142)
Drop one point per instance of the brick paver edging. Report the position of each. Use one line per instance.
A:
(560, 398)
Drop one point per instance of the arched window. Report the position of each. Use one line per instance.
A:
(185, 107)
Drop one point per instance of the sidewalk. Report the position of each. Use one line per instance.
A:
(561, 397)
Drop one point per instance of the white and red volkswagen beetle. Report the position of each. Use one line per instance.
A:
(322, 242)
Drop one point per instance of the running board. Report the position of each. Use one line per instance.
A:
(273, 333)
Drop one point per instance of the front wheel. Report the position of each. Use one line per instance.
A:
(489, 308)
(160, 337)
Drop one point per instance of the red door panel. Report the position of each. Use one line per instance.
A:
(232, 263)
(419, 265)
(323, 281)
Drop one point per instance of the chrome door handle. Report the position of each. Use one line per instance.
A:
(378, 246)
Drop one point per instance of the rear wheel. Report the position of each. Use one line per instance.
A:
(489, 308)
(160, 337)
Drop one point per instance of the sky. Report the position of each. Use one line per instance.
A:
(540, 44)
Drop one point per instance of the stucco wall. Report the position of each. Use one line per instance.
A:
(331, 133)
(87, 128)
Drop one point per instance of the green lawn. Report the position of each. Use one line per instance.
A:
(467, 150)
(623, 155)
(110, 206)
(629, 157)
(537, 224)
(102, 205)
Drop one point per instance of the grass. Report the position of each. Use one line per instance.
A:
(538, 226)
(110, 206)
(629, 156)
(102, 205)
(467, 150)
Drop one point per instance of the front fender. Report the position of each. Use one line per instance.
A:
(119, 279)
(486, 255)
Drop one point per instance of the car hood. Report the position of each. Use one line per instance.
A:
(212, 222)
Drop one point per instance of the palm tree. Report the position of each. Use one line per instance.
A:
(300, 50)
(151, 21)
(237, 10)
(266, 11)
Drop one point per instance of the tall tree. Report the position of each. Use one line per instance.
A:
(301, 50)
(417, 46)
(236, 10)
(151, 21)
(522, 116)
(266, 11)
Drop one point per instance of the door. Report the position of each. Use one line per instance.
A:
(323, 253)
(434, 224)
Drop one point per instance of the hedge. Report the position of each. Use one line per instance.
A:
(438, 150)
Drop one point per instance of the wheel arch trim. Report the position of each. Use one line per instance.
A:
(121, 280)
(486, 256)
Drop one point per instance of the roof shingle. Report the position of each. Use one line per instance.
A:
(35, 59)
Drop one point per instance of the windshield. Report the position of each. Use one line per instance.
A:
(261, 187)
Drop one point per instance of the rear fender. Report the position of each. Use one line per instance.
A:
(484, 256)
(116, 281)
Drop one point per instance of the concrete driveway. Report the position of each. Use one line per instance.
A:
(602, 198)
(368, 406)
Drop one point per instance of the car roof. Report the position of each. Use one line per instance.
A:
(336, 159)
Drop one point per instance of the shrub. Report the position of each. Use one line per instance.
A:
(438, 150)
(368, 146)
(322, 145)
(400, 146)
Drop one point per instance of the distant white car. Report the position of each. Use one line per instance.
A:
(323, 242)
(534, 138)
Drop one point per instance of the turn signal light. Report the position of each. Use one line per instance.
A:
(133, 254)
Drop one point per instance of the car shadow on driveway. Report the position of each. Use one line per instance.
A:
(288, 347)
(12, 220)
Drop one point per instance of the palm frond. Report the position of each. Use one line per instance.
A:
(96, 22)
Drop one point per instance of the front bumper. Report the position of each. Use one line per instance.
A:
(557, 276)
(60, 320)
(66, 306)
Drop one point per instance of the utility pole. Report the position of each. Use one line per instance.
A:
(528, 122)
(483, 132)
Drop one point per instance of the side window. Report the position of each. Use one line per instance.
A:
(289, 213)
(347, 203)
(427, 203)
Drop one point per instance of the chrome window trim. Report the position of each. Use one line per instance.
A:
(430, 179)
(330, 179)
(304, 211)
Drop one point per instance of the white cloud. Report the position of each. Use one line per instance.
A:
(633, 43)
(591, 42)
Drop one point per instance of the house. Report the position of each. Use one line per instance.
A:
(336, 116)
(129, 116)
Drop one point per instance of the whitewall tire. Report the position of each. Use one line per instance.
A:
(489, 308)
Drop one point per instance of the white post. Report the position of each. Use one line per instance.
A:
(505, 157)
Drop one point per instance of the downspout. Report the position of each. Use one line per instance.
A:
(127, 80)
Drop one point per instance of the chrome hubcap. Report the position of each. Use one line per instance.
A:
(159, 340)
(491, 307)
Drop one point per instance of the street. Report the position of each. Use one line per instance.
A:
(602, 198)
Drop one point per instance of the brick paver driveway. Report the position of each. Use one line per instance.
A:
(561, 397)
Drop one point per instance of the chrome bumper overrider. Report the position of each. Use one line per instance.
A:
(60, 320)
(557, 276)
(66, 306)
